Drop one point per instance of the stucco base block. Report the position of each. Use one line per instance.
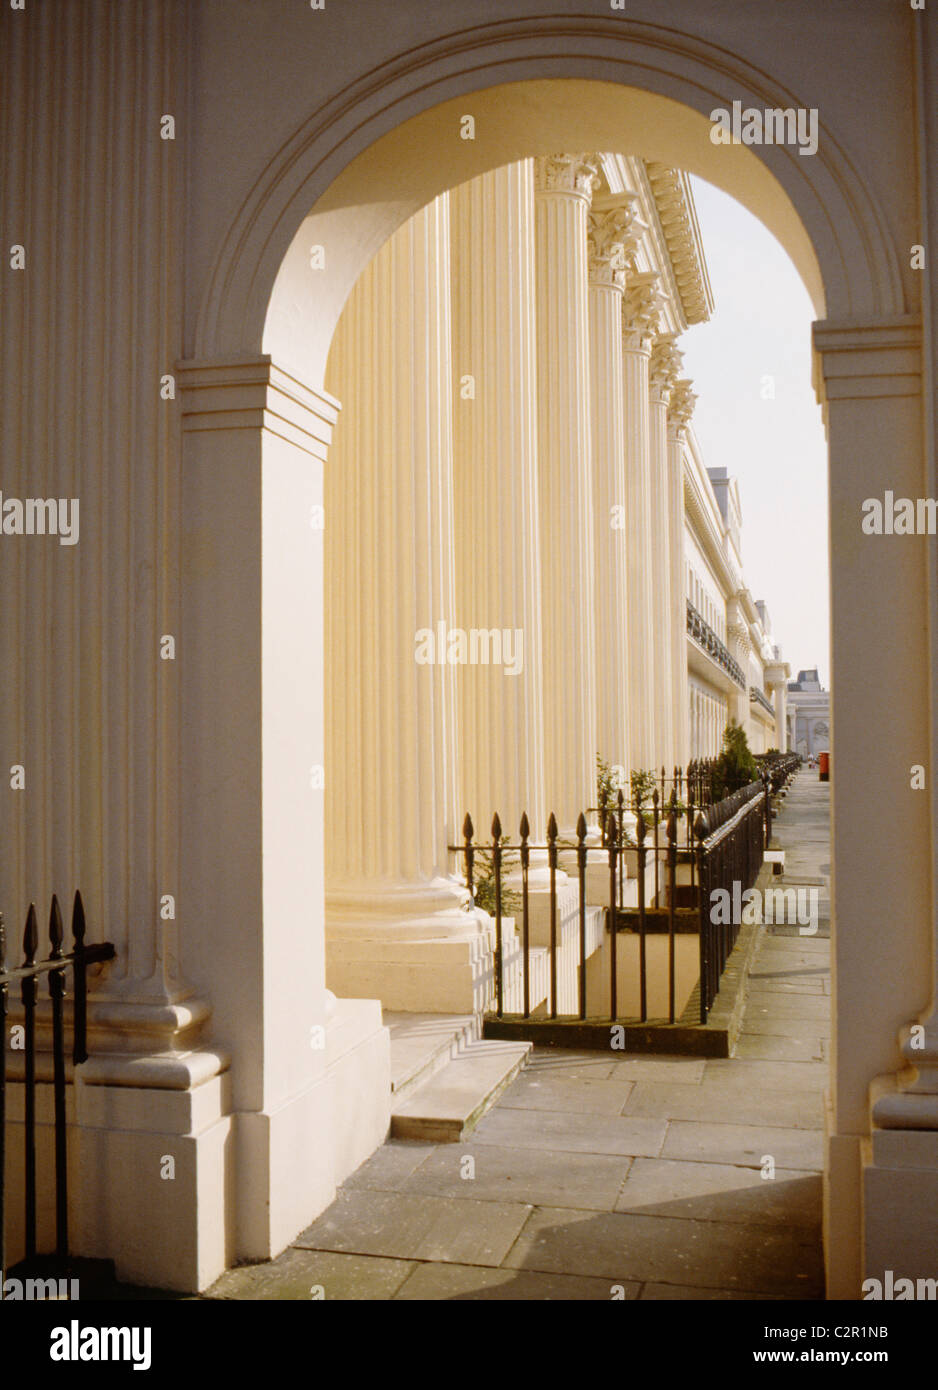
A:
(358, 1060)
(290, 1160)
(842, 1234)
(443, 976)
(154, 1194)
(900, 1215)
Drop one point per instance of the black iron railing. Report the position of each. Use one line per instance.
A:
(704, 635)
(55, 966)
(544, 979)
(759, 697)
(732, 837)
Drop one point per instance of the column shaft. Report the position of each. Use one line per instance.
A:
(389, 592)
(564, 442)
(501, 733)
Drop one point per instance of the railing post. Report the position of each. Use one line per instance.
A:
(581, 870)
(552, 862)
(672, 894)
(525, 831)
(703, 880)
(640, 833)
(57, 992)
(497, 871)
(3, 1102)
(29, 993)
(468, 830)
(613, 924)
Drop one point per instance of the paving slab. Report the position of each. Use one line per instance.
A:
(745, 1145)
(574, 1095)
(308, 1274)
(682, 1293)
(458, 1282)
(768, 1048)
(596, 1134)
(641, 1068)
(391, 1165)
(761, 986)
(761, 1022)
(539, 1177)
(722, 1192)
(405, 1227)
(727, 1102)
(659, 1249)
(782, 1005)
(776, 1076)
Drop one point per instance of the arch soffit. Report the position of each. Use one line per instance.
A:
(371, 156)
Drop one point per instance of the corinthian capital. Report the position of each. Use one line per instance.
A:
(681, 406)
(665, 364)
(641, 309)
(615, 230)
(573, 174)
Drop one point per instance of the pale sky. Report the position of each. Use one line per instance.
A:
(761, 328)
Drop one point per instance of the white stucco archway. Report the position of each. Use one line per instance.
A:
(358, 168)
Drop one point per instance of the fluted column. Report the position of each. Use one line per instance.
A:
(501, 732)
(391, 692)
(663, 369)
(680, 409)
(564, 189)
(613, 230)
(640, 312)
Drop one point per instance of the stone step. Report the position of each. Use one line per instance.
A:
(423, 1044)
(451, 1103)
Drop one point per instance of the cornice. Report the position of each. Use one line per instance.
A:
(674, 202)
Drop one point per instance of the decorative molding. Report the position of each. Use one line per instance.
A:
(681, 407)
(674, 201)
(615, 233)
(254, 393)
(664, 366)
(641, 310)
(575, 175)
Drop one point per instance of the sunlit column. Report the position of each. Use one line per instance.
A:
(664, 366)
(640, 312)
(389, 597)
(613, 229)
(501, 734)
(564, 189)
(680, 409)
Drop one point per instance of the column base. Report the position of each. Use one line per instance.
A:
(900, 1212)
(171, 1184)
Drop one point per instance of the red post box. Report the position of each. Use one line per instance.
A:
(824, 767)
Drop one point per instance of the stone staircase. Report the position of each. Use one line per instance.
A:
(444, 1076)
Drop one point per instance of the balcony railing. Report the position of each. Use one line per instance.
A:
(704, 635)
(759, 697)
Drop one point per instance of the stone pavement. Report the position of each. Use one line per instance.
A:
(598, 1176)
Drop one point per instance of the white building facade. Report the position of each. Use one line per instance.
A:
(170, 302)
